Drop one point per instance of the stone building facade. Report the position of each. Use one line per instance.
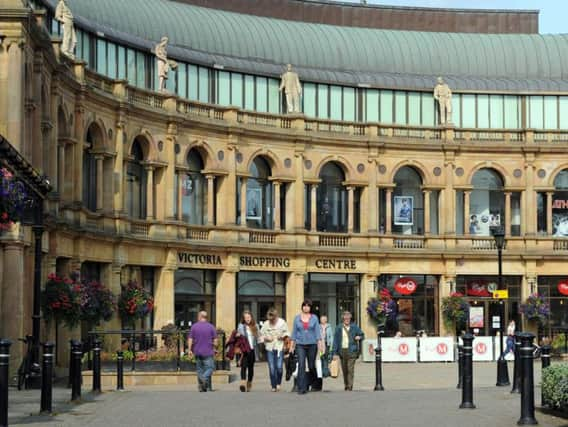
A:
(227, 207)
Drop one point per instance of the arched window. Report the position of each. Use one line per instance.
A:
(136, 183)
(259, 195)
(560, 205)
(486, 203)
(90, 172)
(332, 199)
(407, 202)
(194, 191)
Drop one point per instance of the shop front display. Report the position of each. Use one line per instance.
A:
(257, 291)
(194, 290)
(416, 298)
(554, 289)
(334, 293)
(485, 311)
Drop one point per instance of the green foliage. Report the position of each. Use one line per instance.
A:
(559, 343)
(455, 311)
(555, 385)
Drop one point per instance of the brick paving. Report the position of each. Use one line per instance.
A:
(415, 395)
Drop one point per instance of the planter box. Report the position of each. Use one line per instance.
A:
(186, 366)
(157, 366)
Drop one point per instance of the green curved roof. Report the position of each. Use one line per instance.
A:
(333, 53)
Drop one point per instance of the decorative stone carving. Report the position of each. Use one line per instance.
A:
(443, 94)
(164, 64)
(292, 88)
(63, 14)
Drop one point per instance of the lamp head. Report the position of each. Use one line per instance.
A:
(499, 237)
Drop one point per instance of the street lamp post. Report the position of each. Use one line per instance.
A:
(502, 371)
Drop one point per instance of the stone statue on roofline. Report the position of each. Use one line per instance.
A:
(63, 14)
(443, 94)
(290, 82)
(164, 64)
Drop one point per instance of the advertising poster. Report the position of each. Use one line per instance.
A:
(403, 209)
(437, 349)
(476, 317)
(560, 214)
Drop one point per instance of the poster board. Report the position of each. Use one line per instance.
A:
(437, 349)
(482, 349)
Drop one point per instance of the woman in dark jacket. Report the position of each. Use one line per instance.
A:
(346, 347)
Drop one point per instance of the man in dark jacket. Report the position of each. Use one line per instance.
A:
(346, 347)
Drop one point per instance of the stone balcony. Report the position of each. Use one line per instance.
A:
(210, 114)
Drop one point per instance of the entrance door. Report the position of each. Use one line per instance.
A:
(259, 306)
(186, 313)
(483, 313)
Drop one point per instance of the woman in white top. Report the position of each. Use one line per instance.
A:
(273, 332)
(248, 329)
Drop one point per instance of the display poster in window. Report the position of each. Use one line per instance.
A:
(254, 203)
(476, 317)
(560, 214)
(187, 186)
(403, 209)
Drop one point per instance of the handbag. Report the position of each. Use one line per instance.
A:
(334, 368)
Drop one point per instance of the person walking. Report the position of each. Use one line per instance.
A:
(202, 341)
(346, 347)
(306, 340)
(327, 337)
(510, 338)
(248, 329)
(273, 332)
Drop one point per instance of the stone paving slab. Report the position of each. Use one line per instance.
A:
(415, 395)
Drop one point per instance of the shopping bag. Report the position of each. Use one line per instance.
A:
(319, 368)
(334, 368)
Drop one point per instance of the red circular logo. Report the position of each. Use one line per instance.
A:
(405, 286)
(480, 348)
(403, 349)
(442, 348)
(563, 288)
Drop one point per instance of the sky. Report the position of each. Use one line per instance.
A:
(553, 13)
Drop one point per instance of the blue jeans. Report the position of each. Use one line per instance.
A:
(510, 346)
(305, 379)
(204, 367)
(275, 359)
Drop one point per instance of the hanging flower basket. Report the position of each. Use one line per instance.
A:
(535, 308)
(61, 301)
(134, 303)
(455, 311)
(97, 302)
(13, 198)
(381, 308)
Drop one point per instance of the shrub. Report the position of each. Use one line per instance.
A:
(559, 343)
(455, 311)
(555, 386)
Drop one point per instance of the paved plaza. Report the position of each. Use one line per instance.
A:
(415, 395)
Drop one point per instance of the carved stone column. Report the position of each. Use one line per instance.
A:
(243, 201)
(313, 208)
(210, 199)
(179, 196)
(507, 213)
(388, 225)
(350, 209)
(149, 192)
(466, 197)
(549, 195)
(294, 294)
(226, 299)
(99, 158)
(61, 171)
(426, 195)
(277, 206)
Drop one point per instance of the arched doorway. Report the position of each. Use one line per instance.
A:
(136, 183)
(487, 203)
(407, 202)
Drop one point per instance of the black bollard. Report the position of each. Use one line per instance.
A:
(527, 382)
(378, 367)
(76, 355)
(460, 366)
(119, 370)
(97, 365)
(47, 378)
(467, 386)
(545, 358)
(4, 367)
(517, 374)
